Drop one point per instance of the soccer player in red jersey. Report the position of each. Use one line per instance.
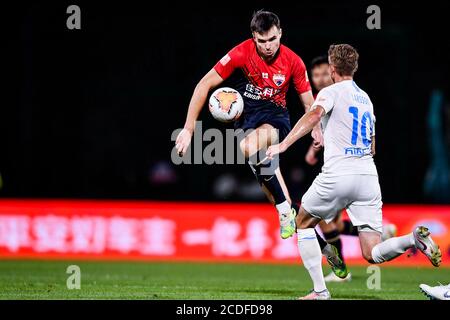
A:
(262, 70)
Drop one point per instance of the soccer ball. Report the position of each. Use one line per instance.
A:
(226, 104)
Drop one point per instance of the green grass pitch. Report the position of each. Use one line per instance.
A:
(141, 280)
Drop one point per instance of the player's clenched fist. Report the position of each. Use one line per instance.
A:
(183, 141)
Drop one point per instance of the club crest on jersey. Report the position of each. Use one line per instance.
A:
(278, 78)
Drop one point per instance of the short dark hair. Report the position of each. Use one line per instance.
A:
(345, 59)
(319, 60)
(263, 21)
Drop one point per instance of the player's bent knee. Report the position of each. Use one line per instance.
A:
(303, 222)
(367, 255)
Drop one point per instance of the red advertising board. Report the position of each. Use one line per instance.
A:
(174, 231)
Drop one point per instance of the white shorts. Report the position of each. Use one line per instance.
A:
(359, 194)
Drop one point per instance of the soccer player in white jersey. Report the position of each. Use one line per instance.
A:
(349, 178)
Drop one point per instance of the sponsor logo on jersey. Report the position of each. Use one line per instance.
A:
(278, 79)
(257, 93)
(265, 75)
(357, 151)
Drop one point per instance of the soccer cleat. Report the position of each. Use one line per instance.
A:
(331, 277)
(437, 292)
(427, 246)
(335, 261)
(287, 224)
(323, 295)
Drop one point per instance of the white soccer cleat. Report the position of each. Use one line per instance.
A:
(323, 295)
(437, 292)
(331, 277)
(427, 246)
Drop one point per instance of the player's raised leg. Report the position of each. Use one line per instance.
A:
(376, 251)
(345, 227)
(268, 175)
(365, 212)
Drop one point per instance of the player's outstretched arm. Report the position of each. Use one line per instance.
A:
(301, 128)
(210, 80)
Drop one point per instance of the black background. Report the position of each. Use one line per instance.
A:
(88, 113)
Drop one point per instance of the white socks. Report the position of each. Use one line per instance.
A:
(283, 207)
(392, 248)
(309, 249)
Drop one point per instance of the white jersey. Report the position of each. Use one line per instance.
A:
(348, 128)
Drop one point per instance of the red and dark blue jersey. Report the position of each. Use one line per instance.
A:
(260, 82)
